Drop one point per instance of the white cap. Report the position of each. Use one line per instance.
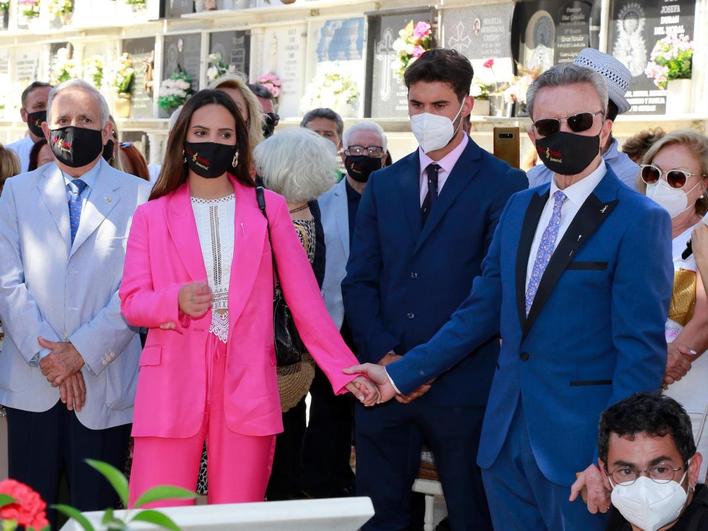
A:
(617, 75)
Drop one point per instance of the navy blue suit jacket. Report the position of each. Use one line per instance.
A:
(404, 280)
(594, 334)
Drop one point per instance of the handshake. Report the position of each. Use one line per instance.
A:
(373, 385)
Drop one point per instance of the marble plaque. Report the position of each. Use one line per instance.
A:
(234, 47)
(145, 86)
(635, 28)
(27, 64)
(481, 33)
(388, 97)
(177, 8)
(573, 31)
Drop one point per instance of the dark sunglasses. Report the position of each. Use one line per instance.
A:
(675, 178)
(577, 123)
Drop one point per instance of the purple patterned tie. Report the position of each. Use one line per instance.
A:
(545, 249)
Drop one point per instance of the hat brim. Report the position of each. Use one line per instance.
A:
(616, 96)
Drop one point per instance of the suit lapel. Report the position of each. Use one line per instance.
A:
(462, 174)
(102, 199)
(409, 176)
(528, 230)
(591, 215)
(341, 210)
(249, 237)
(183, 230)
(52, 191)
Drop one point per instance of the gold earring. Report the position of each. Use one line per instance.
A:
(234, 161)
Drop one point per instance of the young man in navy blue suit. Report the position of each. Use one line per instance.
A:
(422, 230)
(578, 280)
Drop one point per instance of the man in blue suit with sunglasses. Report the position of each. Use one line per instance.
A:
(578, 281)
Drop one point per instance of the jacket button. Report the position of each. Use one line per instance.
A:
(414, 274)
(410, 315)
(524, 356)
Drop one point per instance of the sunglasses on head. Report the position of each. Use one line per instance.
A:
(577, 123)
(650, 174)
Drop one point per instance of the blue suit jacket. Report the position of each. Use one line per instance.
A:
(594, 335)
(404, 280)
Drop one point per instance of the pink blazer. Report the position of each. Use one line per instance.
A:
(163, 254)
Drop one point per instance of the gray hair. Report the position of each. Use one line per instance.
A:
(297, 163)
(366, 125)
(104, 112)
(568, 74)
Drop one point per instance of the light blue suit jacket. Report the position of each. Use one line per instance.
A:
(594, 334)
(61, 292)
(335, 223)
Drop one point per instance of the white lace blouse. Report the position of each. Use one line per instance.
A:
(215, 225)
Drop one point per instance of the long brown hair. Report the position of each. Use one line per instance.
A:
(132, 161)
(174, 169)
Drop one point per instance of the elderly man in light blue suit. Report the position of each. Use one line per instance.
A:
(69, 362)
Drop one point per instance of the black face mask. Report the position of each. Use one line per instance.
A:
(567, 153)
(34, 122)
(210, 159)
(270, 122)
(76, 146)
(108, 150)
(360, 167)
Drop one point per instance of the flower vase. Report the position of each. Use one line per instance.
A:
(678, 96)
(481, 107)
(123, 106)
(499, 107)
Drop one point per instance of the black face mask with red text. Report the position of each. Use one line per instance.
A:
(567, 153)
(76, 146)
(210, 159)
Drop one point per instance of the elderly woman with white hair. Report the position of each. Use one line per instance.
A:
(300, 165)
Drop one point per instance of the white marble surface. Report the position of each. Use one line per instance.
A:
(340, 514)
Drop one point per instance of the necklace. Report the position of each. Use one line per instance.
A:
(299, 209)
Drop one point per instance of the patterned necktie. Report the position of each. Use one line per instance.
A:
(77, 186)
(432, 172)
(545, 249)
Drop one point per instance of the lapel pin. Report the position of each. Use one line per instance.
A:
(108, 199)
(580, 237)
(604, 209)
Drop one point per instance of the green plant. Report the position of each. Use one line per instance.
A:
(120, 484)
(175, 90)
(61, 7)
(136, 3)
(5, 5)
(93, 70)
(64, 68)
(412, 42)
(124, 75)
(671, 58)
(29, 8)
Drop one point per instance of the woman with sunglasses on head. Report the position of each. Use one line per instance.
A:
(199, 275)
(674, 173)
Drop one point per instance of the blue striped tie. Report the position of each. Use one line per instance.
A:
(77, 186)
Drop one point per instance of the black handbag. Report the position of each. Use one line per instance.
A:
(288, 344)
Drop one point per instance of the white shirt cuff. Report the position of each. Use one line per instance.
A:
(391, 382)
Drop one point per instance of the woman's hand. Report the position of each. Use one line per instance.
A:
(195, 299)
(364, 390)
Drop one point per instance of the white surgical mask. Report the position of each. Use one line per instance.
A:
(649, 505)
(674, 200)
(433, 131)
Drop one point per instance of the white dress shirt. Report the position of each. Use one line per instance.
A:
(576, 195)
(447, 163)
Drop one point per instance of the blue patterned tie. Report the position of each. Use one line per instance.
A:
(77, 186)
(545, 249)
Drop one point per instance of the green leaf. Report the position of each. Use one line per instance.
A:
(156, 517)
(114, 476)
(75, 514)
(164, 492)
(6, 500)
(110, 521)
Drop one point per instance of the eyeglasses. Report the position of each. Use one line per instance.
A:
(661, 473)
(577, 123)
(371, 151)
(676, 178)
(273, 118)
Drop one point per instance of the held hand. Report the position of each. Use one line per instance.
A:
(417, 393)
(678, 362)
(598, 489)
(699, 243)
(63, 361)
(73, 392)
(365, 390)
(389, 358)
(377, 374)
(195, 299)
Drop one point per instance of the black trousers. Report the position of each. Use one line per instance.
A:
(284, 483)
(328, 442)
(44, 445)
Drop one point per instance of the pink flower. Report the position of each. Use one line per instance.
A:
(418, 51)
(421, 30)
(489, 63)
(28, 510)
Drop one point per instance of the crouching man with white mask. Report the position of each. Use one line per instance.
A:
(649, 459)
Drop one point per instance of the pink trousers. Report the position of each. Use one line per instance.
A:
(239, 465)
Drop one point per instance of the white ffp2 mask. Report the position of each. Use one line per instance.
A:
(433, 131)
(649, 505)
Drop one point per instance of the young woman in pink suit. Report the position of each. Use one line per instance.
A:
(199, 275)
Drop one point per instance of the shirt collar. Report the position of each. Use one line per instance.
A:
(613, 151)
(578, 192)
(89, 177)
(448, 161)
